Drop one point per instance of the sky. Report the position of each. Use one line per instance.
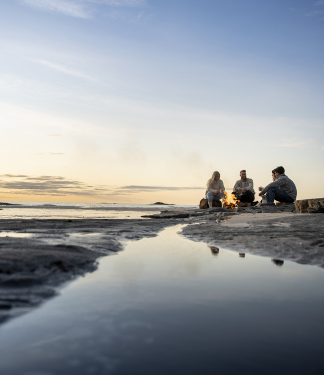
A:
(138, 101)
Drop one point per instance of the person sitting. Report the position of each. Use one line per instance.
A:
(243, 189)
(215, 188)
(282, 189)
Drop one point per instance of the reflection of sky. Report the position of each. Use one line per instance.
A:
(167, 302)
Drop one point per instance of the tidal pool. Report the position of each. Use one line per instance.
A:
(168, 305)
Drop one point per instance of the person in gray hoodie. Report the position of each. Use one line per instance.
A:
(282, 189)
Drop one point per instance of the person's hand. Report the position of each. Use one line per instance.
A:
(242, 190)
(260, 194)
(218, 191)
(235, 189)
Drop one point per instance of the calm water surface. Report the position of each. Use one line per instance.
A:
(167, 305)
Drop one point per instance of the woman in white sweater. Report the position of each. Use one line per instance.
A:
(215, 188)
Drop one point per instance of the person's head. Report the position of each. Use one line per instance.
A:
(273, 175)
(243, 174)
(215, 177)
(279, 171)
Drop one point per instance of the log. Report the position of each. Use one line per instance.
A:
(204, 204)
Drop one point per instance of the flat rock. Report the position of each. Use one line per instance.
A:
(289, 236)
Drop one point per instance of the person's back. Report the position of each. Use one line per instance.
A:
(287, 185)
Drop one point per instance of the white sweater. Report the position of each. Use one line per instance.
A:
(216, 186)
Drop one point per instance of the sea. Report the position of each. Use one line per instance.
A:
(63, 210)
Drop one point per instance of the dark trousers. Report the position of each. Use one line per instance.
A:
(279, 195)
(247, 196)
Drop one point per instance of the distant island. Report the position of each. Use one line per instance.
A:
(161, 203)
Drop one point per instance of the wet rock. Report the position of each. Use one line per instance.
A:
(294, 237)
(161, 203)
(278, 262)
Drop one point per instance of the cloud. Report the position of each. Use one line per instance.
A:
(69, 8)
(293, 145)
(301, 144)
(60, 186)
(152, 188)
(320, 2)
(79, 8)
(314, 13)
(132, 18)
(129, 3)
(51, 153)
(63, 69)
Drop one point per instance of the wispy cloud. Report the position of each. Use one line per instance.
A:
(79, 8)
(63, 69)
(129, 3)
(138, 18)
(320, 2)
(293, 145)
(314, 13)
(60, 186)
(51, 153)
(69, 8)
(301, 144)
(152, 188)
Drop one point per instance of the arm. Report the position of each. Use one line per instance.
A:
(250, 186)
(274, 184)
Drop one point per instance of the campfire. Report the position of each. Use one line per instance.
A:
(229, 201)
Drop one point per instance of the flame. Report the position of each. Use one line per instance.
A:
(229, 200)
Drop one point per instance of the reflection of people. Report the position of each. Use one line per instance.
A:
(278, 262)
(215, 188)
(282, 189)
(243, 189)
(214, 250)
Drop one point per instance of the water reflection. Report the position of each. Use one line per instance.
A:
(163, 305)
(278, 262)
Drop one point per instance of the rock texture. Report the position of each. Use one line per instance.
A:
(281, 236)
(303, 205)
